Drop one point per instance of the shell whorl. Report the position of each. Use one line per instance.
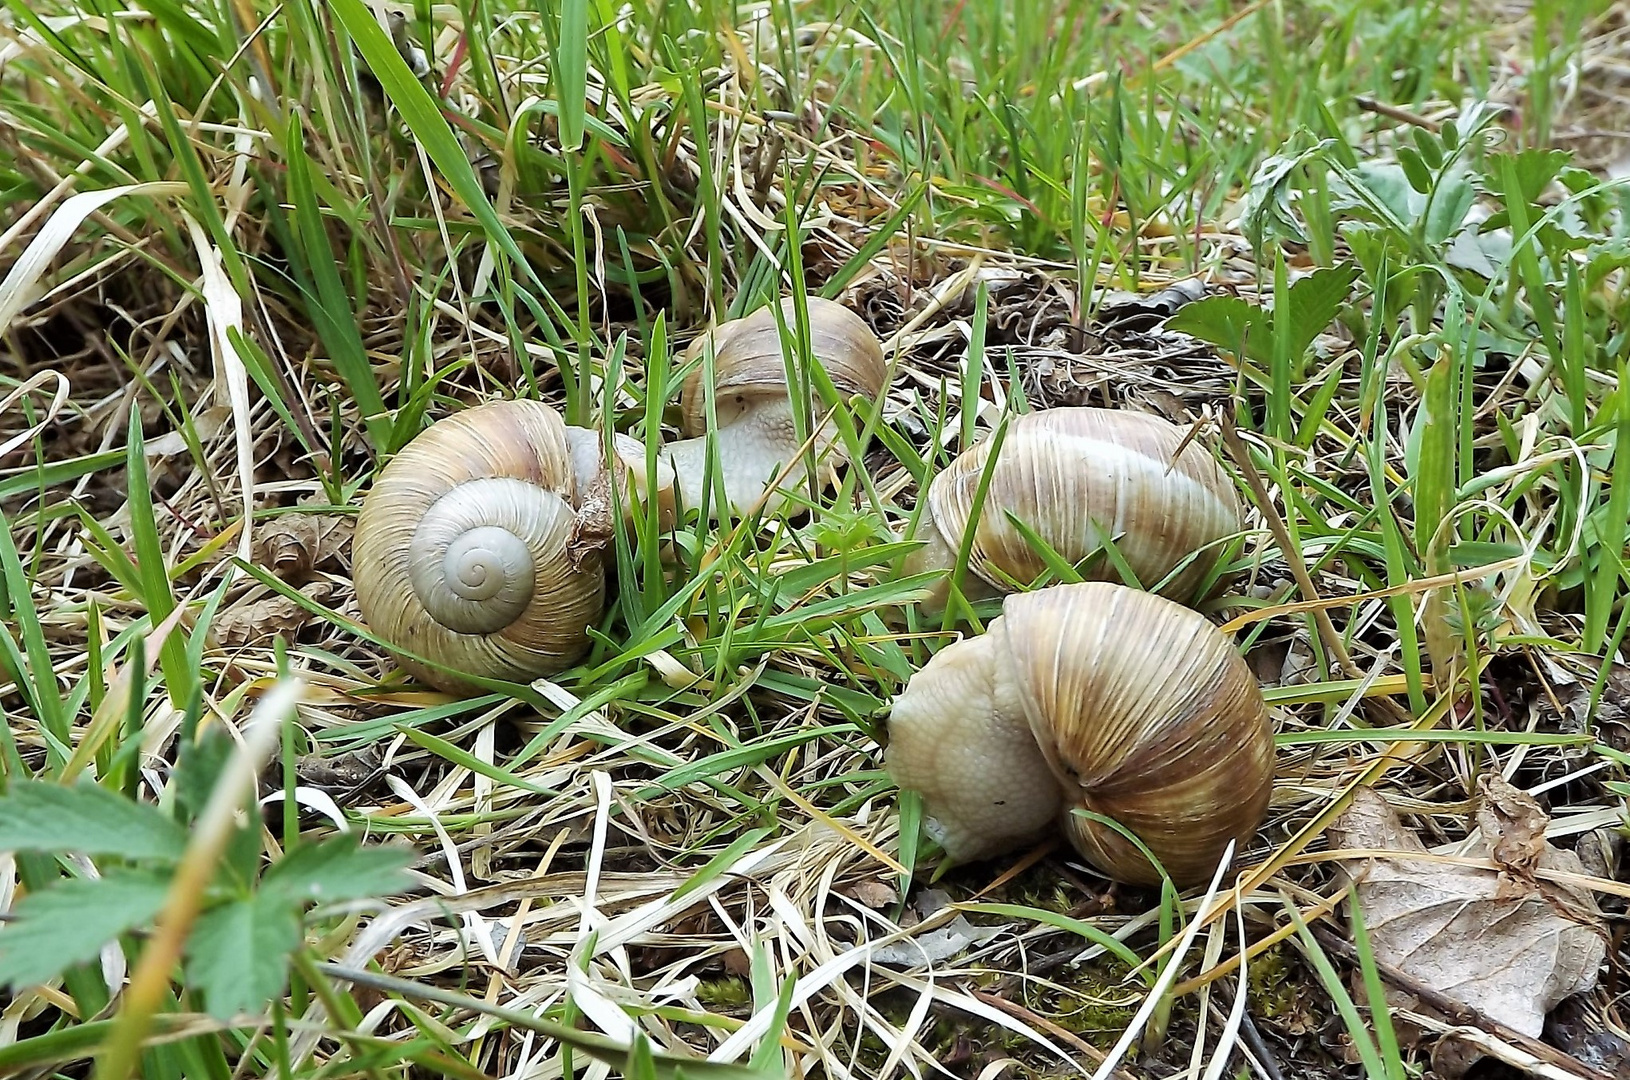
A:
(476, 552)
(1077, 475)
(1148, 715)
(1089, 697)
(470, 550)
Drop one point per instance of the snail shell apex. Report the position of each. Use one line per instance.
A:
(1094, 696)
(1074, 475)
(478, 549)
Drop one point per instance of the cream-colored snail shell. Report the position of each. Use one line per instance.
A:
(1094, 696)
(1071, 475)
(479, 545)
(755, 429)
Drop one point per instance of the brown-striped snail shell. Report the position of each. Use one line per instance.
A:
(478, 546)
(1094, 696)
(481, 545)
(1075, 475)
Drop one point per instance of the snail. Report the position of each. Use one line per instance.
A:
(480, 545)
(1072, 475)
(756, 430)
(1093, 696)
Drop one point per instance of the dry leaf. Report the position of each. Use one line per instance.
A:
(340, 772)
(1501, 942)
(265, 619)
(593, 527)
(1516, 825)
(294, 545)
(935, 946)
(874, 894)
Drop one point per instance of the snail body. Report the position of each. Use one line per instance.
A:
(1076, 476)
(755, 430)
(1091, 696)
(481, 544)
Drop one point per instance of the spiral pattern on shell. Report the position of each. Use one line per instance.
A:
(1075, 475)
(1091, 696)
(1148, 715)
(471, 549)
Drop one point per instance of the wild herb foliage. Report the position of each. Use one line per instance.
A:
(268, 244)
(238, 953)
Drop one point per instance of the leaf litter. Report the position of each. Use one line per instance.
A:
(1500, 938)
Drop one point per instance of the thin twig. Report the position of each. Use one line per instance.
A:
(1393, 112)
(1288, 548)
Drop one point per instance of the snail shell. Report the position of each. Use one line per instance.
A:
(1091, 696)
(755, 428)
(1074, 475)
(479, 545)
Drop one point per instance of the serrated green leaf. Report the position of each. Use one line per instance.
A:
(1228, 323)
(238, 954)
(201, 761)
(87, 819)
(67, 924)
(198, 767)
(337, 869)
(1314, 302)
(1535, 168)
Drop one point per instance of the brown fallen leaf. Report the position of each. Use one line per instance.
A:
(338, 773)
(874, 894)
(1503, 942)
(1517, 825)
(294, 545)
(263, 620)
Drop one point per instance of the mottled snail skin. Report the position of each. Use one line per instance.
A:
(1068, 474)
(755, 430)
(1094, 696)
(481, 545)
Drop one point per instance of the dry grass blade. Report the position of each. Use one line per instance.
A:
(20, 286)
